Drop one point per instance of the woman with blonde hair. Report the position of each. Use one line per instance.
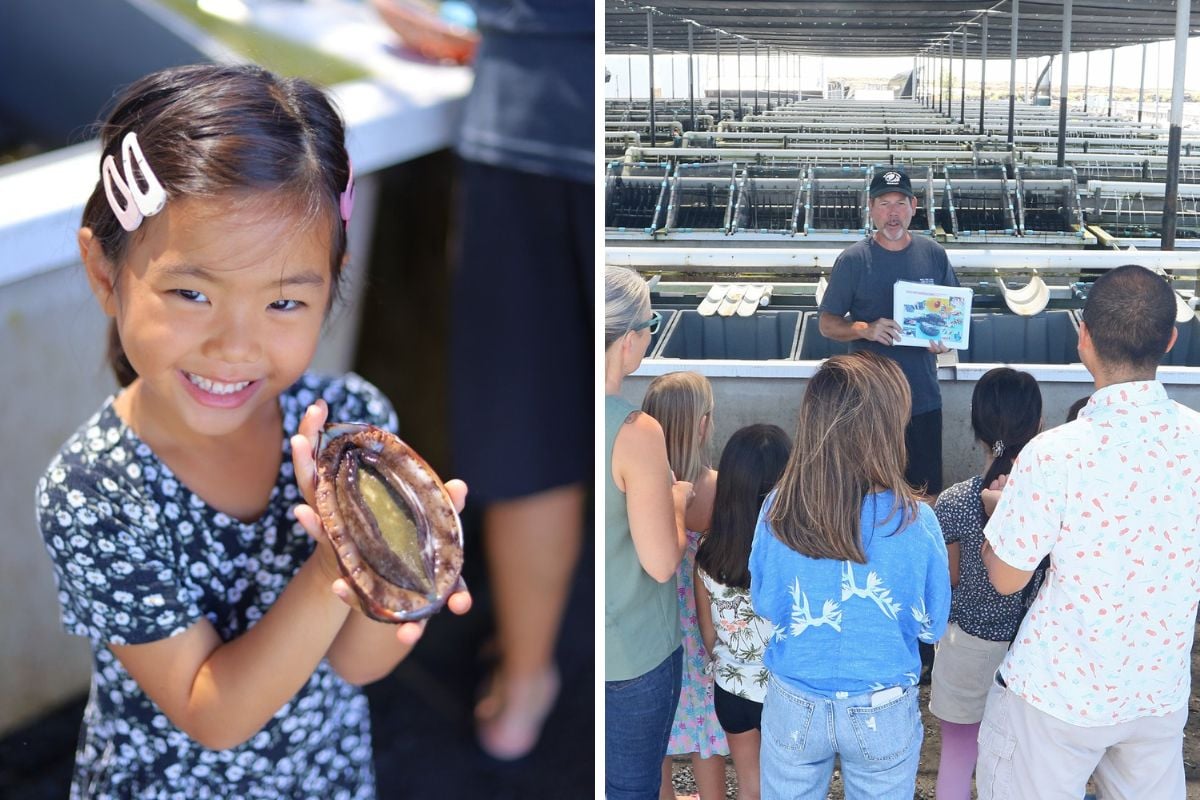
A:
(851, 570)
(682, 402)
(644, 537)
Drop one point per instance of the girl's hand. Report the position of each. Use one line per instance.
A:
(304, 450)
(304, 463)
(682, 492)
(990, 496)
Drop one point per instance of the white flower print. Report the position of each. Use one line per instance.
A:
(137, 555)
(874, 591)
(922, 616)
(802, 618)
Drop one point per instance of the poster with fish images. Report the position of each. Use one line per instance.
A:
(930, 313)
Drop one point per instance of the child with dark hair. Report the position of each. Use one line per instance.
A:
(734, 636)
(849, 567)
(1076, 407)
(1006, 412)
(226, 646)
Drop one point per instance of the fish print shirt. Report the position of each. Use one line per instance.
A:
(1114, 499)
(138, 558)
(841, 628)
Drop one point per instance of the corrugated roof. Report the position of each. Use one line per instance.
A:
(886, 28)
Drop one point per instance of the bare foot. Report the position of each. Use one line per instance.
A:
(510, 716)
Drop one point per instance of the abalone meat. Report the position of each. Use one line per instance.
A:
(392, 524)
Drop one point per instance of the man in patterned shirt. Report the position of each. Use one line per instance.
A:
(1097, 680)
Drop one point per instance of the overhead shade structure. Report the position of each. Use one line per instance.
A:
(882, 28)
(919, 30)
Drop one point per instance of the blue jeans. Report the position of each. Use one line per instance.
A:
(879, 746)
(637, 725)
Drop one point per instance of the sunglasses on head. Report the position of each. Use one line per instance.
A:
(651, 324)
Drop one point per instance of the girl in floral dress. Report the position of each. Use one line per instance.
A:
(682, 403)
(733, 634)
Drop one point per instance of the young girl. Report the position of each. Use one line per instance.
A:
(1006, 412)
(850, 569)
(644, 538)
(226, 648)
(734, 636)
(682, 403)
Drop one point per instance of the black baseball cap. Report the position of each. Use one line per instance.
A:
(891, 180)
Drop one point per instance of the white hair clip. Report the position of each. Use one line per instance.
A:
(138, 204)
(346, 201)
(998, 448)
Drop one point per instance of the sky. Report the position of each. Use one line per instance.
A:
(1128, 70)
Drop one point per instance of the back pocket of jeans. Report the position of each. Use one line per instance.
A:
(786, 718)
(886, 732)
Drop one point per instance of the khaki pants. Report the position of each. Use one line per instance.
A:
(1025, 753)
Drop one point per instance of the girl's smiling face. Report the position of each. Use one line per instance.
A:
(219, 305)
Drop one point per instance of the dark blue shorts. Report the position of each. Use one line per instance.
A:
(736, 714)
(521, 344)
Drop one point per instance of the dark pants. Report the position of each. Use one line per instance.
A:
(637, 727)
(522, 334)
(923, 440)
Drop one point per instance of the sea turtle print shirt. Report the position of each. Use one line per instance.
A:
(1114, 499)
(138, 558)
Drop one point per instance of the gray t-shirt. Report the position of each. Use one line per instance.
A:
(861, 285)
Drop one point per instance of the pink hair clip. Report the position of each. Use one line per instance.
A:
(138, 204)
(346, 202)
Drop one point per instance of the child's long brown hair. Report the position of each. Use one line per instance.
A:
(680, 401)
(849, 442)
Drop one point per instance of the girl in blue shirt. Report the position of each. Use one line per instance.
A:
(851, 570)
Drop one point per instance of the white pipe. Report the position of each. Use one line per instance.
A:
(1149, 189)
(800, 258)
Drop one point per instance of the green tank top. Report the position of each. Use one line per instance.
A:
(641, 615)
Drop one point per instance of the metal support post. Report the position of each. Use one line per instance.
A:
(1014, 20)
(1087, 72)
(756, 77)
(983, 71)
(739, 71)
(1112, 72)
(691, 80)
(650, 51)
(1142, 85)
(1066, 69)
(717, 39)
(1175, 134)
(962, 99)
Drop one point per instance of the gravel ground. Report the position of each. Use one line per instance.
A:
(927, 772)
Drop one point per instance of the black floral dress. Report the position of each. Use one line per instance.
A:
(138, 557)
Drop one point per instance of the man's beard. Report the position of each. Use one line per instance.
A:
(901, 231)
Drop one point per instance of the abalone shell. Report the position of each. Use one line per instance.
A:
(397, 537)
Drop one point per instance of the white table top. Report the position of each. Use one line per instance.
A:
(408, 108)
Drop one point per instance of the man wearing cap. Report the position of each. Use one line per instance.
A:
(857, 308)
